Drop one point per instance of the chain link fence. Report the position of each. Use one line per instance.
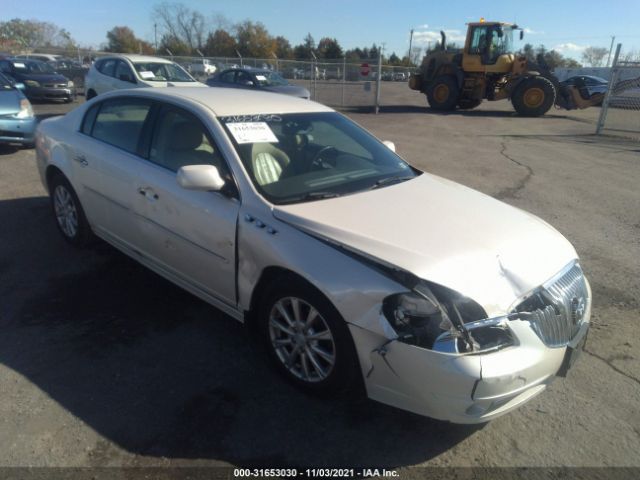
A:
(337, 83)
(620, 112)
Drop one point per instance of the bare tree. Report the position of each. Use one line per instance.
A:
(181, 23)
(594, 56)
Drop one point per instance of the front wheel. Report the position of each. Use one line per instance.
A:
(443, 93)
(534, 97)
(307, 339)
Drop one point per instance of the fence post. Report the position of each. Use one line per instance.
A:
(344, 77)
(378, 80)
(612, 81)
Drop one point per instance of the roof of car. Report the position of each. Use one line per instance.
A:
(227, 101)
(137, 58)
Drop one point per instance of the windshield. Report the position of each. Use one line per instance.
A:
(5, 83)
(29, 66)
(270, 79)
(162, 72)
(301, 157)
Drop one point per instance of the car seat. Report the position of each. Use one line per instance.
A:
(267, 162)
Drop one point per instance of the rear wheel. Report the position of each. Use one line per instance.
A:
(534, 97)
(443, 93)
(68, 212)
(468, 104)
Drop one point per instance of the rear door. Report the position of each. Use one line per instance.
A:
(190, 234)
(112, 151)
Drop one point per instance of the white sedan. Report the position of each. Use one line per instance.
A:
(356, 269)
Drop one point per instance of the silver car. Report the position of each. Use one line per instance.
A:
(356, 269)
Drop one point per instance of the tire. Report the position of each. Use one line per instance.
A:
(534, 97)
(443, 93)
(90, 94)
(68, 213)
(468, 104)
(336, 368)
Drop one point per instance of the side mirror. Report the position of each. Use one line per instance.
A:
(200, 177)
(390, 145)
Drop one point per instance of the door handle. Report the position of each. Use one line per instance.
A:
(148, 192)
(81, 160)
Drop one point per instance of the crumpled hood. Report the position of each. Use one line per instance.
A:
(443, 232)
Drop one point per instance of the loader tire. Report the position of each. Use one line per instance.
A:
(443, 93)
(468, 104)
(534, 97)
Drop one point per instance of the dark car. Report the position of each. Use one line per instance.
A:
(41, 81)
(258, 79)
(71, 69)
(588, 85)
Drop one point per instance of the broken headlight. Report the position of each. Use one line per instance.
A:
(441, 319)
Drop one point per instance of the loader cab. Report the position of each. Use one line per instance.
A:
(489, 48)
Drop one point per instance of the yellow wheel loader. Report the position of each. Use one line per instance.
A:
(487, 69)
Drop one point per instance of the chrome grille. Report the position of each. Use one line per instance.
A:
(557, 323)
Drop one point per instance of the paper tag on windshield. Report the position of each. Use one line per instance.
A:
(262, 78)
(252, 132)
(18, 65)
(146, 75)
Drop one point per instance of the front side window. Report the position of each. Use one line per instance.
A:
(180, 139)
(478, 41)
(243, 78)
(299, 157)
(228, 77)
(119, 122)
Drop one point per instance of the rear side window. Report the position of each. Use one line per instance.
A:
(107, 67)
(89, 118)
(120, 121)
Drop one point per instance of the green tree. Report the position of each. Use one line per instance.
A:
(303, 51)
(33, 33)
(254, 40)
(220, 43)
(283, 48)
(123, 40)
(329, 48)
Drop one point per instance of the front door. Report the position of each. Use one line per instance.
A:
(190, 234)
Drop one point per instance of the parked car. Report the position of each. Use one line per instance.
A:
(353, 267)
(17, 122)
(256, 79)
(71, 69)
(40, 80)
(41, 57)
(202, 66)
(399, 76)
(116, 72)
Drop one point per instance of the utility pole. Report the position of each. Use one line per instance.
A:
(155, 36)
(613, 37)
(410, 45)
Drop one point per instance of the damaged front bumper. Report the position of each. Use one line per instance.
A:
(471, 387)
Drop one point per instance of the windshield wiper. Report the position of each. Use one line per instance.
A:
(310, 196)
(391, 180)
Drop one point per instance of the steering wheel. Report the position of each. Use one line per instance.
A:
(318, 162)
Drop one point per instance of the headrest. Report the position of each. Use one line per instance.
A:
(185, 136)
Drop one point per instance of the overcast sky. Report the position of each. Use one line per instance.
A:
(566, 25)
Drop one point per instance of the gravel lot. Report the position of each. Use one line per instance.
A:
(103, 363)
